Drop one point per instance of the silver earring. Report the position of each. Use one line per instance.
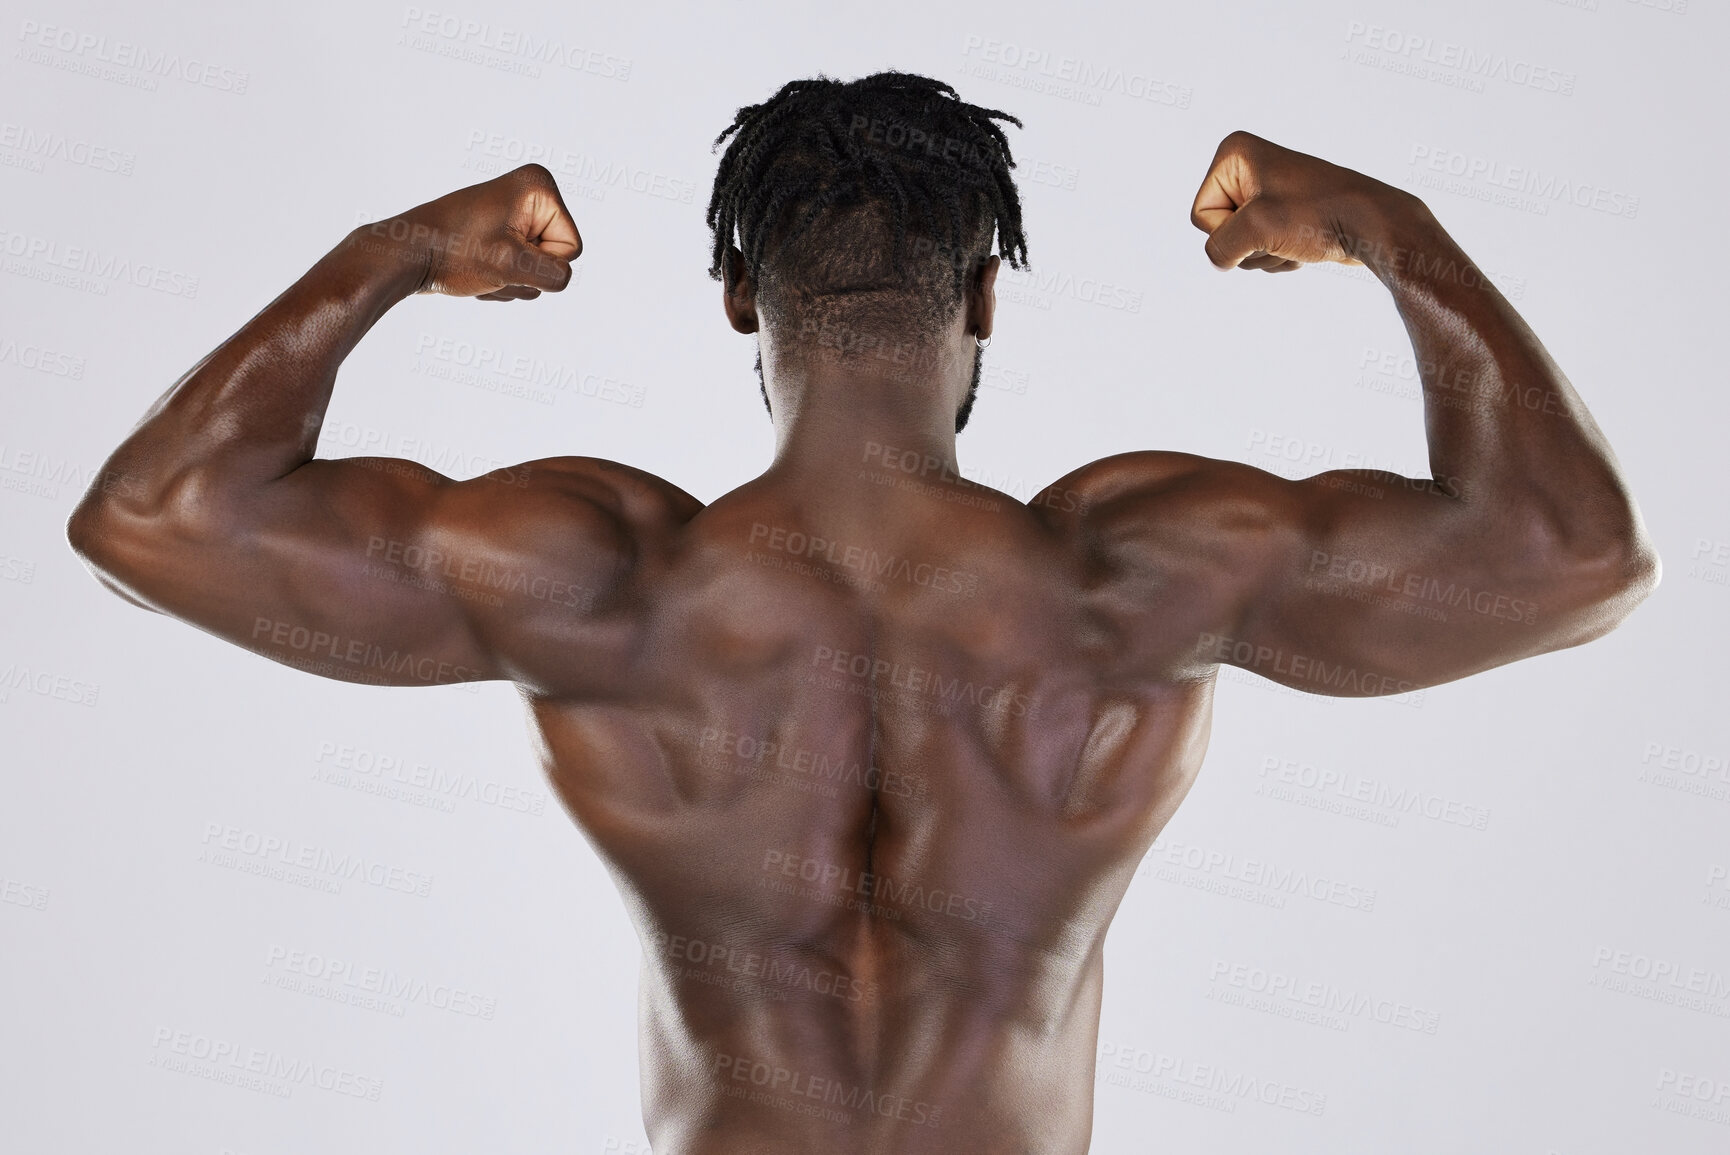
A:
(985, 344)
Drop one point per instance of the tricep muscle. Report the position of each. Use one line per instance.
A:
(374, 570)
(1348, 583)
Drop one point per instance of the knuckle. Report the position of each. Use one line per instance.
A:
(1238, 142)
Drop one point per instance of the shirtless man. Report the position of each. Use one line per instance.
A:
(872, 751)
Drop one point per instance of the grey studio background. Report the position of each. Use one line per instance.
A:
(1490, 916)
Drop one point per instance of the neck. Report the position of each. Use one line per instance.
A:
(835, 414)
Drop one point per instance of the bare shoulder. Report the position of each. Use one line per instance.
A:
(1171, 494)
(579, 491)
(1184, 537)
(586, 519)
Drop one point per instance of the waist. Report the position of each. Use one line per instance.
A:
(779, 1053)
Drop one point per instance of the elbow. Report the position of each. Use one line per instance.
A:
(1599, 563)
(89, 531)
(1642, 570)
(115, 499)
(121, 519)
(125, 551)
(1622, 570)
(99, 539)
(1604, 588)
(1633, 578)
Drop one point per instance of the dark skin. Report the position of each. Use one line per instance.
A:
(873, 802)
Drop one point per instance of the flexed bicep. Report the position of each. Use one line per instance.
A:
(1523, 540)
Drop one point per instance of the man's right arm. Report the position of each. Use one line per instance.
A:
(370, 570)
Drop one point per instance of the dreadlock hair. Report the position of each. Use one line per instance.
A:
(864, 206)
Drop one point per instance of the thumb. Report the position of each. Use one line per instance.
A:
(537, 268)
(1244, 232)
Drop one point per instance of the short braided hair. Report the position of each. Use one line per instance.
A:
(827, 185)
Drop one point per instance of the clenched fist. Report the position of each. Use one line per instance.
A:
(1270, 208)
(506, 239)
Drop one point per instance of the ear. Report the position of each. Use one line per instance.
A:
(739, 302)
(982, 298)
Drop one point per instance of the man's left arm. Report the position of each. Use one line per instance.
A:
(1524, 540)
(1354, 582)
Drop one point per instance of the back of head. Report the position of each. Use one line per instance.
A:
(860, 209)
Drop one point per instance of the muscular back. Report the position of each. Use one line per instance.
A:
(871, 762)
(873, 788)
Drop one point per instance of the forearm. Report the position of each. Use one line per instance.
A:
(1508, 435)
(251, 411)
